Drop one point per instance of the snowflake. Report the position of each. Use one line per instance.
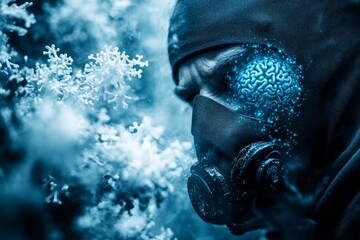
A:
(6, 53)
(106, 77)
(53, 78)
(126, 171)
(12, 13)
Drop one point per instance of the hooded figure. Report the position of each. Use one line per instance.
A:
(322, 40)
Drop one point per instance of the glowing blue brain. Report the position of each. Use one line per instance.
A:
(267, 80)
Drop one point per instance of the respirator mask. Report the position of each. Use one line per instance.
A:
(242, 152)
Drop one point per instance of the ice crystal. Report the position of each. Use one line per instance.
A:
(106, 175)
(11, 13)
(165, 234)
(107, 75)
(104, 79)
(52, 79)
(6, 53)
(55, 190)
(135, 180)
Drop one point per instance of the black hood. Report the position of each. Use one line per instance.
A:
(324, 38)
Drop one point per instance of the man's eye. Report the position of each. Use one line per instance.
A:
(186, 94)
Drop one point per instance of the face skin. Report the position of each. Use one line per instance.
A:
(204, 75)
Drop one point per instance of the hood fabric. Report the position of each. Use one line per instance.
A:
(324, 38)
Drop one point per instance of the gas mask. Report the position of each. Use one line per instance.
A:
(242, 161)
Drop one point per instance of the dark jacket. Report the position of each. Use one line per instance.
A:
(324, 37)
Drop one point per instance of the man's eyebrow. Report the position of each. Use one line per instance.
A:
(223, 63)
(229, 57)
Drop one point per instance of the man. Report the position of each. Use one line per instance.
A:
(276, 113)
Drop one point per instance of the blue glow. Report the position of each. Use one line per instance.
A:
(267, 80)
(267, 87)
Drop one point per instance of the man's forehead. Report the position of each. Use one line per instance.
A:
(209, 63)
